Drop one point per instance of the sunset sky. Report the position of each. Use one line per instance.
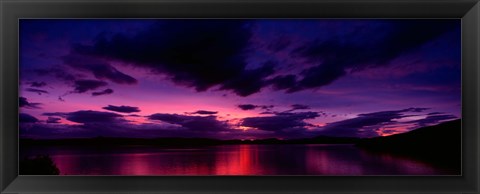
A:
(237, 79)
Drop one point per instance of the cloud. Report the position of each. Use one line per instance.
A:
(280, 122)
(192, 53)
(107, 124)
(82, 86)
(282, 82)
(104, 92)
(364, 125)
(89, 116)
(58, 114)
(114, 129)
(247, 106)
(266, 107)
(122, 109)
(52, 131)
(99, 68)
(53, 120)
(432, 119)
(249, 81)
(37, 84)
(194, 123)
(205, 112)
(333, 58)
(417, 109)
(299, 107)
(26, 118)
(56, 71)
(23, 102)
(222, 54)
(91, 124)
(252, 106)
(279, 44)
(38, 91)
(87, 130)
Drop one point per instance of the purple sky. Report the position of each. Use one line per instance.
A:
(232, 79)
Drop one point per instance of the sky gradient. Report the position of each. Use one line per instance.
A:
(237, 79)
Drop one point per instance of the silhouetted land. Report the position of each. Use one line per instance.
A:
(183, 141)
(439, 144)
(38, 165)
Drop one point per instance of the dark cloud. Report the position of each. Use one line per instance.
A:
(104, 92)
(193, 53)
(266, 107)
(252, 106)
(122, 109)
(49, 131)
(89, 116)
(38, 91)
(58, 72)
(249, 81)
(100, 69)
(205, 54)
(194, 123)
(37, 84)
(205, 112)
(87, 130)
(268, 113)
(23, 102)
(332, 58)
(82, 86)
(247, 106)
(279, 44)
(58, 114)
(418, 109)
(280, 122)
(53, 120)
(26, 118)
(93, 124)
(299, 107)
(125, 129)
(433, 119)
(364, 125)
(283, 82)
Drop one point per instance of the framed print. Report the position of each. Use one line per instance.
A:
(226, 96)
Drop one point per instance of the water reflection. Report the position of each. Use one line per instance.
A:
(231, 160)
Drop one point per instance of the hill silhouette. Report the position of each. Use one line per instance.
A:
(181, 142)
(439, 144)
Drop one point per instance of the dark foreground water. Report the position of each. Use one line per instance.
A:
(231, 160)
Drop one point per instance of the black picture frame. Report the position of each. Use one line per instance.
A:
(12, 10)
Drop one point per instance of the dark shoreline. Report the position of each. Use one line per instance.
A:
(99, 141)
(439, 145)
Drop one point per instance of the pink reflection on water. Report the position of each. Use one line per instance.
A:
(241, 162)
(408, 166)
(65, 163)
(238, 160)
(321, 162)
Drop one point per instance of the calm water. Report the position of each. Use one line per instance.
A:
(231, 160)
